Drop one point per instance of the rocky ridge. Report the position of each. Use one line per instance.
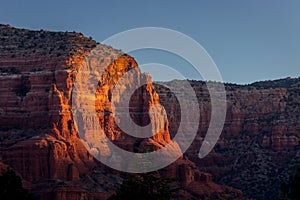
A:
(260, 142)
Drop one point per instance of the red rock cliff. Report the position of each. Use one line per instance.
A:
(38, 138)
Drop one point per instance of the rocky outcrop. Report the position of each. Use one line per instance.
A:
(38, 136)
(197, 184)
(260, 141)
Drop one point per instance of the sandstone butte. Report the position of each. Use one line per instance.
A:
(259, 145)
(38, 138)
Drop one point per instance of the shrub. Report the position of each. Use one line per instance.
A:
(11, 187)
(291, 190)
(147, 187)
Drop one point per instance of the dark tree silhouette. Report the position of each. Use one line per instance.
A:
(11, 187)
(291, 190)
(146, 186)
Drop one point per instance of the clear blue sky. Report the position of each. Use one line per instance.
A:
(248, 40)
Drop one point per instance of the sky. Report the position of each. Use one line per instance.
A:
(248, 40)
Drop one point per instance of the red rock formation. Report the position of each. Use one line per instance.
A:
(260, 141)
(38, 138)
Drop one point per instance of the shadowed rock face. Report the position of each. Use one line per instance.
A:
(260, 142)
(38, 138)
